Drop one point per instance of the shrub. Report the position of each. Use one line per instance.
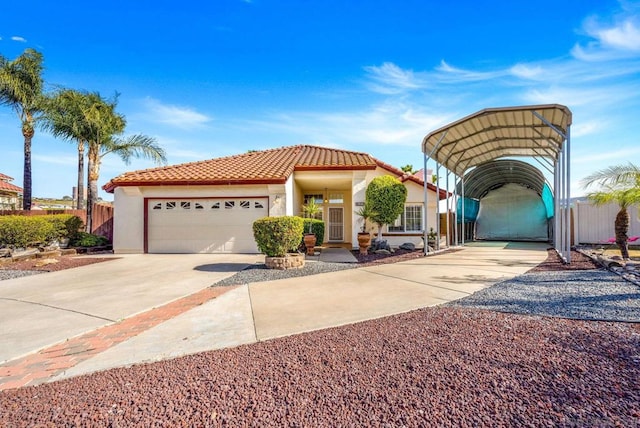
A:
(276, 236)
(84, 239)
(316, 227)
(65, 225)
(23, 231)
(386, 196)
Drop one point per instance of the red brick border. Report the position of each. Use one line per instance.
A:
(39, 367)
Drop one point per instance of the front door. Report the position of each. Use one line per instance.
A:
(336, 224)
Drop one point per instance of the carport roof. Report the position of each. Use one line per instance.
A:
(538, 130)
(494, 174)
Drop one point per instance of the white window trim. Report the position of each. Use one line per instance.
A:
(404, 213)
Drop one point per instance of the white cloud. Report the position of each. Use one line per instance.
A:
(448, 73)
(18, 39)
(390, 79)
(610, 40)
(526, 72)
(177, 116)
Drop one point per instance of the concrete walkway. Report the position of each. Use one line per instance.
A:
(265, 310)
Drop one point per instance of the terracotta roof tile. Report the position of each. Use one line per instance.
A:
(10, 187)
(268, 166)
(5, 177)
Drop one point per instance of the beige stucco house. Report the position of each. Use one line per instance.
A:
(9, 194)
(209, 206)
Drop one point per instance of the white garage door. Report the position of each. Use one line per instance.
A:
(203, 225)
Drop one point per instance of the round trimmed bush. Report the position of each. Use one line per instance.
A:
(276, 236)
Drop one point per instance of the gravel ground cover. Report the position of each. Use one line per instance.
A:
(587, 295)
(16, 273)
(259, 272)
(431, 367)
(444, 366)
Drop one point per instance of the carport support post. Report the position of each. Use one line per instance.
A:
(463, 230)
(437, 205)
(448, 208)
(426, 207)
(568, 184)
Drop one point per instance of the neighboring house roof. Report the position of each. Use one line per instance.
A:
(273, 166)
(6, 186)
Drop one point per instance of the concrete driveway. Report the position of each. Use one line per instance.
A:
(41, 310)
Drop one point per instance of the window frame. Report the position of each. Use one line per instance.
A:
(403, 220)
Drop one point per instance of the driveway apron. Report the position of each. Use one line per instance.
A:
(40, 310)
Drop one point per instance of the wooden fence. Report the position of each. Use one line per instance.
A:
(102, 217)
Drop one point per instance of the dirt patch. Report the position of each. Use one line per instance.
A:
(554, 263)
(61, 263)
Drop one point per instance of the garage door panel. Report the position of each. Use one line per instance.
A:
(203, 226)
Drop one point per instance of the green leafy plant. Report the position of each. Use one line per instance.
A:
(315, 227)
(386, 195)
(84, 239)
(276, 236)
(66, 226)
(25, 231)
(311, 209)
(366, 213)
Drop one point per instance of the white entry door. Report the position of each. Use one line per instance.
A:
(336, 224)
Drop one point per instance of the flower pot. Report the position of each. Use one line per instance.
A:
(364, 242)
(310, 243)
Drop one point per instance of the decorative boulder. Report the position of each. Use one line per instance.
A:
(407, 246)
(379, 245)
(382, 251)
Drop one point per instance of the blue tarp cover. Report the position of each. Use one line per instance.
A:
(547, 199)
(471, 207)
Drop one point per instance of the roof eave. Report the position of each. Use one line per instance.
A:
(112, 185)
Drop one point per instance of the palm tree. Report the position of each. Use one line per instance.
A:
(21, 89)
(65, 118)
(108, 126)
(621, 185)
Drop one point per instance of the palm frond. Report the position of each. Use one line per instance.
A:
(135, 146)
(626, 174)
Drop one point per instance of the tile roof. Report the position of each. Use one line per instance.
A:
(9, 187)
(273, 166)
(5, 177)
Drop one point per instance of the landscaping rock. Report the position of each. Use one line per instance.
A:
(5, 252)
(382, 252)
(381, 244)
(407, 246)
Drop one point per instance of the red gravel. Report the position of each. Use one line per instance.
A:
(554, 263)
(63, 262)
(431, 367)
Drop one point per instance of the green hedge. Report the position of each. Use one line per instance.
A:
(18, 231)
(84, 239)
(317, 228)
(276, 236)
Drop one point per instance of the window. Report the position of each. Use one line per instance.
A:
(317, 198)
(245, 204)
(215, 206)
(258, 205)
(409, 221)
(158, 206)
(185, 205)
(229, 204)
(171, 205)
(198, 206)
(336, 198)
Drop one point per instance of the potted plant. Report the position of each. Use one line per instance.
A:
(311, 209)
(432, 237)
(364, 238)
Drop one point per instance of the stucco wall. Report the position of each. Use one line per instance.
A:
(128, 234)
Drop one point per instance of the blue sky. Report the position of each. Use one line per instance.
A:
(210, 79)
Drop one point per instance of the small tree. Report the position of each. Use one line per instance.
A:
(621, 185)
(386, 196)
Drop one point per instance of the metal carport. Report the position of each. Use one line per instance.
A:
(541, 132)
